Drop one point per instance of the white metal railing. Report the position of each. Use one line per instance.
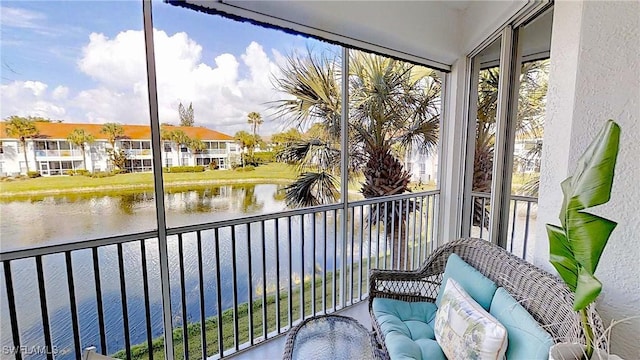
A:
(235, 282)
(523, 213)
(138, 152)
(59, 153)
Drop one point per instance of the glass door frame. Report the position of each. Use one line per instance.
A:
(507, 107)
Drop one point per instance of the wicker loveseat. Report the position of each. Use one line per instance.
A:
(543, 295)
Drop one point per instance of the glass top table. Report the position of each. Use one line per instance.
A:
(329, 337)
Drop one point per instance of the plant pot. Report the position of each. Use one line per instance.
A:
(568, 351)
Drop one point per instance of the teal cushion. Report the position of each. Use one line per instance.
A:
(526, 338)
(478, 286)
(408, 328)
(409, 318)
(401, 347)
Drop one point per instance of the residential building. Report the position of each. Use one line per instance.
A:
(51, 153)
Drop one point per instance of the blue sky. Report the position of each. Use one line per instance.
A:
(59, 58)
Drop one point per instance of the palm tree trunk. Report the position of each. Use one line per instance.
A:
(399, 243)
(84, 158)
(24, 149)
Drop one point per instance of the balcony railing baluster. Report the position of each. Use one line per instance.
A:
(145, 286)
(276, 235)
(513, 225)
(265, 323)
(289, 264)
(183, 299)
(11, 300)
(99, 306)
(360, 253)
(43, 307)
(302, 238)
(203, 316)
(249, 283)
(313, 269)
(334, 290)
(324, 262)
(218, 274)
(74, 308)
(234, 281)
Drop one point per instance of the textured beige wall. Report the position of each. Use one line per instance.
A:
(595, 76)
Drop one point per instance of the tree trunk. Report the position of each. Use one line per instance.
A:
(24, 149)
(84, 158)
(399, 243)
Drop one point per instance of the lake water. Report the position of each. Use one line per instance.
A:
(52, 220)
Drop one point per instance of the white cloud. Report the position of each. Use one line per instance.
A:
(223, 89)
(20, 18)
(29, 98)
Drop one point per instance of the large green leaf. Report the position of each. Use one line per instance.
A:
(562, 257)
(576, 247)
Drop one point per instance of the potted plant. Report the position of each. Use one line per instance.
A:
(576, 246)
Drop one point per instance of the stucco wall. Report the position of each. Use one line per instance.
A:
(594, 76)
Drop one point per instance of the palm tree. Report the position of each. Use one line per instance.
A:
(80, 138)
(113, 131)
(23, 129)
(182, 140)
(166, 136)
(196, 145)
(245, 140)
(255, 119)
(392, 104)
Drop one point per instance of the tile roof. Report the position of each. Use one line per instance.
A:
(135, 132)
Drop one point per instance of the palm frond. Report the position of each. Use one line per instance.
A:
(311, 189)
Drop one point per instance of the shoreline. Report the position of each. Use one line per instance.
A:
(139, 187)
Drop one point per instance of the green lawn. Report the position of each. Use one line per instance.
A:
(140, 351)
(139, 181)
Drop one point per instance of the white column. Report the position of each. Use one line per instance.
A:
(452, 152)
(595, 76)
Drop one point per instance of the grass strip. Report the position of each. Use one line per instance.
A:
(141, 351)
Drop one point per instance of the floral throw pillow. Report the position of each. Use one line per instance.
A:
(464, 330)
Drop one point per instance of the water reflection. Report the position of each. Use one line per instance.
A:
(39, 220)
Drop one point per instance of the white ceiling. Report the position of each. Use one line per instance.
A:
(433, 32)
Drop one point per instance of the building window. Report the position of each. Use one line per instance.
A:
(1, 149)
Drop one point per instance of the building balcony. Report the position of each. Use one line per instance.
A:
(59, 153)
(142, 153)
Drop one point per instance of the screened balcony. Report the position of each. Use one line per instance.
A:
(217, 287)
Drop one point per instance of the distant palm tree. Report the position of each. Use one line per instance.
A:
(182, 140)
(80, 138)
(255, 119)
(113, 131)
(392, 104)
(197, 145)
(245, 140)
(22, 128)
(166, 136)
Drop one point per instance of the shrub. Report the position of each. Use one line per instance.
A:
(184, 169)
(264, 157)
(83, 172)
(213, 165)
(246, 168)
(101, 174)
(69, 172)
(33, 174)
